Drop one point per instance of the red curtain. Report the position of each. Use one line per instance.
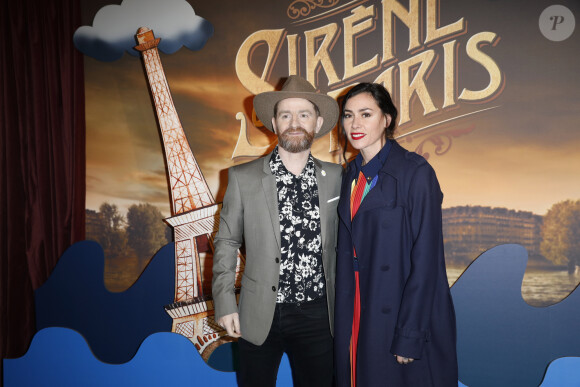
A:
(42, 155)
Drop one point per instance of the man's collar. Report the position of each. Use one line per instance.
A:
(281, 169)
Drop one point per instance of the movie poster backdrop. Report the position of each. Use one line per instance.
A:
(487, 92)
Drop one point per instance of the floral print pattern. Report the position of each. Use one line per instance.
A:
(301, 270)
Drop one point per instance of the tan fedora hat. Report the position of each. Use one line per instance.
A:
(297, 87)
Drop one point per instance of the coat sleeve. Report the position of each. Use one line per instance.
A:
(413, 322)
(227, 242)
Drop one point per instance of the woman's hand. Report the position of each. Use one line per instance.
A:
(404, 360)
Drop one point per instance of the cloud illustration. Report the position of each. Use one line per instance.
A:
(114, 28)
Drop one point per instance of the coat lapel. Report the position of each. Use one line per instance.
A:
(385, 191)
(375, 198)
(271, 194)
(344, 204)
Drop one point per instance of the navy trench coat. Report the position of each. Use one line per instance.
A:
(406, 306)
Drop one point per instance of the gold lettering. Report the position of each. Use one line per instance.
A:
(350, 46)
(410, 18)
(495, 75)
(254, 83)
(449, 75)
(386, 79)
(243, 147)
(333, 142)
(292, 54)
(337, 94)
(406, 79)
(417, 86)
(433, 33)
(314, 57)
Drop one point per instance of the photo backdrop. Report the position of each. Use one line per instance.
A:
(486, 92)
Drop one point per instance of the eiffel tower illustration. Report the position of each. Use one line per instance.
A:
(194, 212)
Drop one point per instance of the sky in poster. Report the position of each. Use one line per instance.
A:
(521, 153)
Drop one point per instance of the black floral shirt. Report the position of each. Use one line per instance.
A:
(301, 270)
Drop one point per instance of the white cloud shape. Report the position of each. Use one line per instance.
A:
(114, 28)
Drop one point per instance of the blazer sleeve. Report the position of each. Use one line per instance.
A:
(424, 200)
(227, 242)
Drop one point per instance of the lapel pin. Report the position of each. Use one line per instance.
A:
(323, 172)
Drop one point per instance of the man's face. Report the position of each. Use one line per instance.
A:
(296, 123)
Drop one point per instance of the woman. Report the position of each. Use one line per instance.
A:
(394, 318)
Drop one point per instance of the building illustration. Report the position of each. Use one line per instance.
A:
(471, 230)
(195, 214)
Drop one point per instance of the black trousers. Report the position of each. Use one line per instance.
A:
(303, 332)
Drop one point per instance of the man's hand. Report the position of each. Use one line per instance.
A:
(403, 360)
(231, 323)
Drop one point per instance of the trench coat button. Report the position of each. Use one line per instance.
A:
(273, 288)
(385, 268)
(277, 260)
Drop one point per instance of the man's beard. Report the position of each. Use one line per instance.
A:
(294, 144)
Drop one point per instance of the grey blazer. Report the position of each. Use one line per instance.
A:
(250, 214)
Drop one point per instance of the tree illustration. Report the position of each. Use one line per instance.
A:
(109, 230)
(561, 234)
(146, 231)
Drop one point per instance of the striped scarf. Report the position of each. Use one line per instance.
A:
(358, 191)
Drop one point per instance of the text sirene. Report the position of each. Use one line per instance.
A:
(317, 55)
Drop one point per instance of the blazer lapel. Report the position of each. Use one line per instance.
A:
(271, 194)
(323, 198)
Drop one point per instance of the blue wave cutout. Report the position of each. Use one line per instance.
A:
(114, 324)
(503, 341)
(61, 357)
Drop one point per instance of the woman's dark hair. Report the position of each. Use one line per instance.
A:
(383, 100)
(381, 97)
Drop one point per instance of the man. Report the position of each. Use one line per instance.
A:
(283, 206)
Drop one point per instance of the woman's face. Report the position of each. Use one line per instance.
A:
(365, 123)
